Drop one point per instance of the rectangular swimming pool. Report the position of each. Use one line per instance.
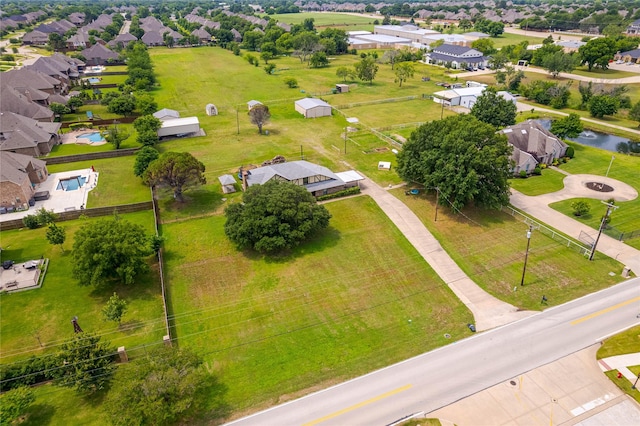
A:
(72, 183)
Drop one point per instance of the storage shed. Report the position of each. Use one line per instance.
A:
(313, 108)
(342, 88)
(179, 127)
(211, 109)
(228, 183)
(166, 114)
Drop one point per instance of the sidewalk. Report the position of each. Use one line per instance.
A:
(621, 363)
(538, 207)
(488, 311)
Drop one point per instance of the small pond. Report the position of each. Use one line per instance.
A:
(599, 140)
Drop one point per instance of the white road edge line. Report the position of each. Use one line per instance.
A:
(600, 339)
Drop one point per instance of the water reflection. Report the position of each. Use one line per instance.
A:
(600, 140)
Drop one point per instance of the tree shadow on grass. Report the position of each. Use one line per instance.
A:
(317, 243)
(211, 406)
(39, 414)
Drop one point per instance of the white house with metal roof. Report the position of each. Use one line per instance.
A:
(456, 56)
(318, 180)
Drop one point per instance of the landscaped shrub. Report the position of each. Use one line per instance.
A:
(26, 373)
(523, 174)
(77, 126)
(580, 207)
(537, 171)
(343, 193)
(31, 221)
(543, 165)
(570, 152)
(291, 82)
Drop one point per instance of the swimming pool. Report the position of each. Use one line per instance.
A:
(72, 183)
(94, 80)
(93, 136)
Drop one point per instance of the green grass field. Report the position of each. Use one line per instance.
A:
(549, 181)
(50, 308)
(489, 246)
(344, 294)
(625, 168)
(326, 19)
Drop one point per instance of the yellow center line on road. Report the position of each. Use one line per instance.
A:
(359, 405)
(604, 311)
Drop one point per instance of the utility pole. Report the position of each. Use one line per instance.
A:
(603, 223)
(238, 119)
(345, 138)
(526, 254)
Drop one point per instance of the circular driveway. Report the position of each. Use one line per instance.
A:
(575, 186)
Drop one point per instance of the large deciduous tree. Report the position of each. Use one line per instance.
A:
(367, 69)
(175, 170)
(305, 44)
(404, 71)
(164, 386)
(461, 156)
(259, 115)
(567, 127)
(493, 109)
(109, 249)
(144, 157)
(602, 105)
(558, 62)
(274, 217)
(87, 364)
(147, 123)
(598, 52)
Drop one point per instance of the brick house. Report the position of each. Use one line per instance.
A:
(19, 175)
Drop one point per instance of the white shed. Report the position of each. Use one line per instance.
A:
(211, 109)
(179, 127)
(253, 103)
(313, 108)
(166, 114)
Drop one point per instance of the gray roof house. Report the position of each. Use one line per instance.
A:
(634, 28)
(99, 55)
(530, 137)
(202, 35)
(122, 39)
(31, 78)
(457, 56)
(318, 180)
(18, 176)
(23, 135)
(21, 103)
(152, 38)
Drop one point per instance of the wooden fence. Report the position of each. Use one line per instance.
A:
(100, 122)
(94, 212)
(91, 156)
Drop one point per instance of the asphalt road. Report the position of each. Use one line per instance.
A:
(443, 376)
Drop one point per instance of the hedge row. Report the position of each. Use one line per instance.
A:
(26, 373)
(350, 191)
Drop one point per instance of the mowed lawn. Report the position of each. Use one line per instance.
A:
(50, 308)
(490, 247)
(191, 78)
(626, 168)
(549, 181)
(354, 298)
(324, 19)
(116, 182)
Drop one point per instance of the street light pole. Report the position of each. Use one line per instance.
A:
(636, 382)
(603, 222)
(610, 163)
(526, 254)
